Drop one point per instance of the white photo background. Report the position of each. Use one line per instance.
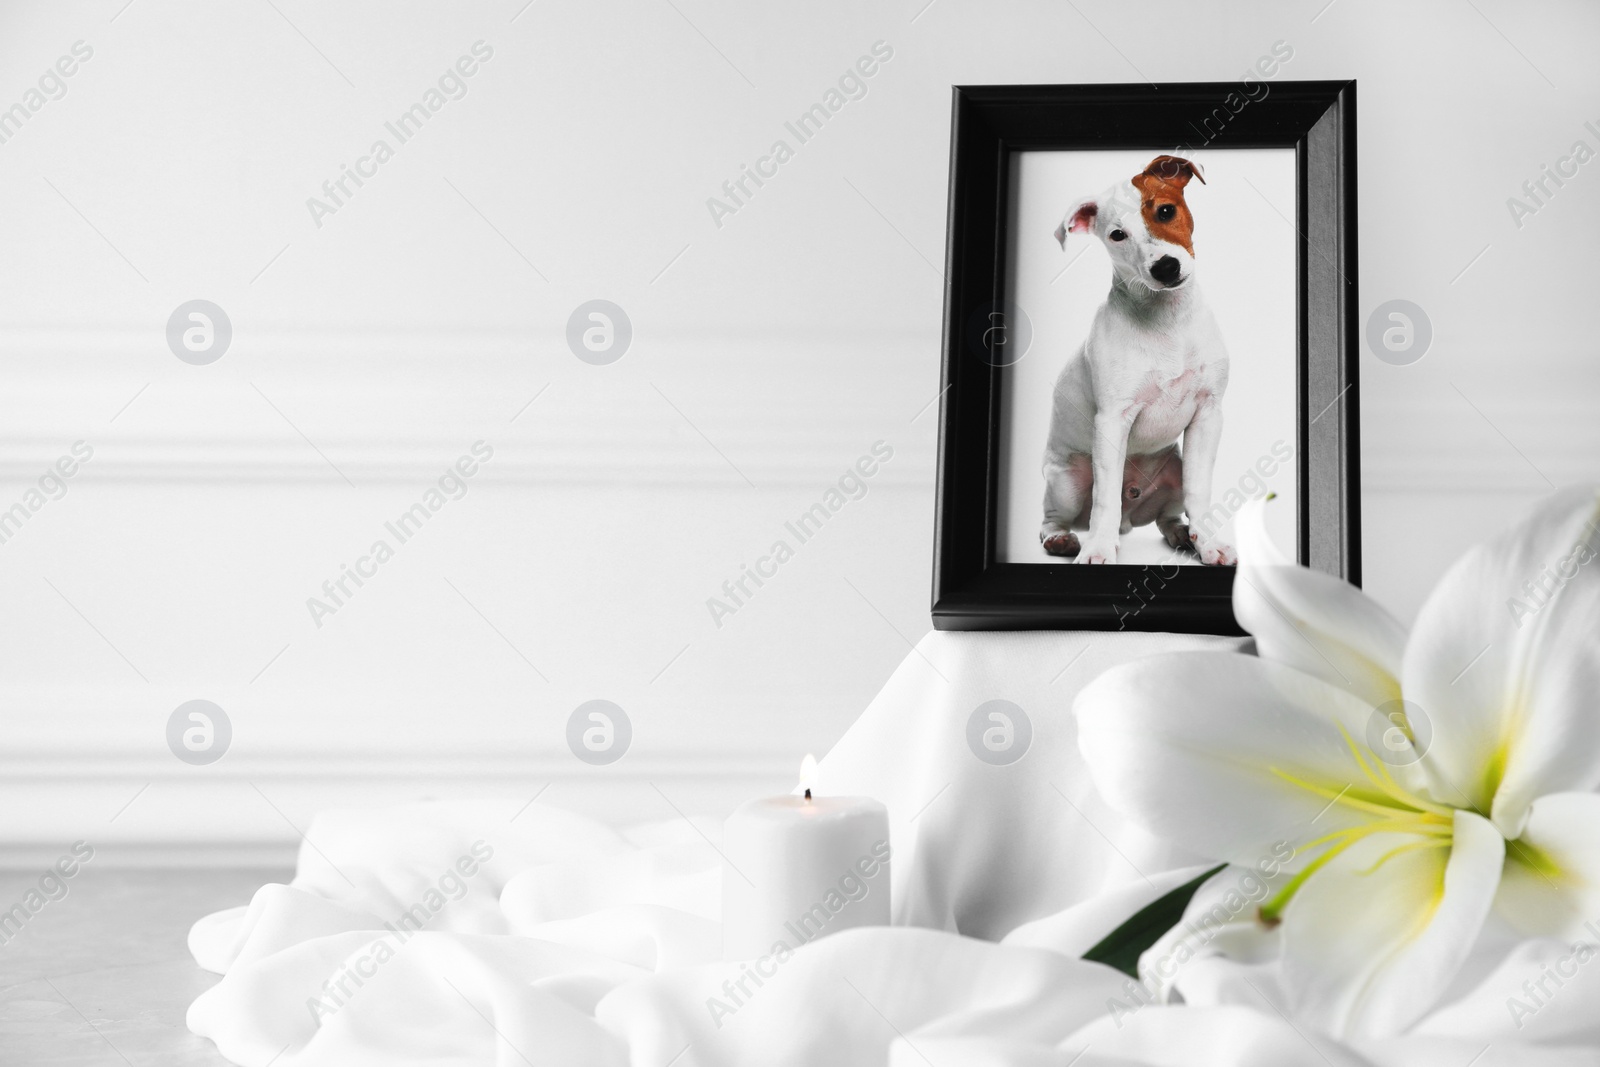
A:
(1244, 244)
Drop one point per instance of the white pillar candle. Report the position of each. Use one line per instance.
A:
(799, 867)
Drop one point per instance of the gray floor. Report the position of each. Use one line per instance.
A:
(102, 976)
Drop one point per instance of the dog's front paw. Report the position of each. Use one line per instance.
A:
(1061, 543)
(1098, 552)
(1214, 553)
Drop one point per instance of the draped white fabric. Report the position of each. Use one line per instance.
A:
(468, 933)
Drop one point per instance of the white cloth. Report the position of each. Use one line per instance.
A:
(550, 939)
(980, 848)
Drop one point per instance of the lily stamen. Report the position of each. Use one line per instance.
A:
(1414, 846)
(1405, 813)
(1341, 796)
(1388, 786)
(1427, 826)
(1271, 912)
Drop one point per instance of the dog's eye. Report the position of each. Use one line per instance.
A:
(1165, 213)
(1117, 235)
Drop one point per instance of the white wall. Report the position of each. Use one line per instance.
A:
(772, 350)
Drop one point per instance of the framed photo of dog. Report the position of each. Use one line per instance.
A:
(1150, 319)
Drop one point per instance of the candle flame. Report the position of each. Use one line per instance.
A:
(808, 775)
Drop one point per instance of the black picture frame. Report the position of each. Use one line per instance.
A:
(971, 591)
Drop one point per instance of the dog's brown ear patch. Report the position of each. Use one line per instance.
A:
(1161, 202)
(1174, 170)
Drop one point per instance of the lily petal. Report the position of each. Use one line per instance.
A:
(1509, 684)
(1551, 885)
(1224, 753)
(1219, 952)
(1314, 621)
(1373, 940)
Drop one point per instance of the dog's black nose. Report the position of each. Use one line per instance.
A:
(1166, 270)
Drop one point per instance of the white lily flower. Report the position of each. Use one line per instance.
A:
(1422, 781)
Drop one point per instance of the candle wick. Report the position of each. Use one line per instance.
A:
(808, 794)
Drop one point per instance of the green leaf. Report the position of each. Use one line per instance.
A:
(1123, 946)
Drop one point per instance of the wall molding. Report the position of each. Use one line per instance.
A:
(773, 457)
(395, 408)
(1427, 441)
(145, 810)
(392, 406)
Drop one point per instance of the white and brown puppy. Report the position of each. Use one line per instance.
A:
(1152, 368)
